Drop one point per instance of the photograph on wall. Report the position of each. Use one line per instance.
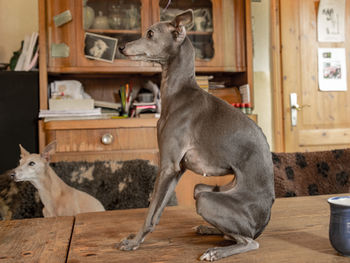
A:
(100, 47)
(331, 21)
(332, 69)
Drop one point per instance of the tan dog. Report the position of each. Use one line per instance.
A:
(58, 198)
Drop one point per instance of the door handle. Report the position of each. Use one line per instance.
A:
(294, 108)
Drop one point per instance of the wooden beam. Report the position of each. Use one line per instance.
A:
(277, 91)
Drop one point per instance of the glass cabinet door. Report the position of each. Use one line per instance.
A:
(201, 33)
(117, 20)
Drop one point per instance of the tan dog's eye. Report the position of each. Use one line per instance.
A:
(31, 163)
(150, 34)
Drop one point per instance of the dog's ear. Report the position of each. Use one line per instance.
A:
(23, 151)
(182, 20)
(49, 150)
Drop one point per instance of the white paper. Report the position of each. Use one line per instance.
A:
(331, 21)
(332, 69)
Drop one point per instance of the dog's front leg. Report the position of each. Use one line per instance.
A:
(164, 187)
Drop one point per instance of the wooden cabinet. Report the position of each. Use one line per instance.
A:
(228, 35)
(92, 140)
(223, 49)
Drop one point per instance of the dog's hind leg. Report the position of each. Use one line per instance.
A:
(199, 188)
(243, 244)
(231, 218)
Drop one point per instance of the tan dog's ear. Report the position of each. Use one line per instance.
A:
(24, 152)
(49, 150)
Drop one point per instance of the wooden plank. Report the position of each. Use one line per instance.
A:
(35, 240)
(297, 232)
(324, 137)
(291, 63)
(278, 128)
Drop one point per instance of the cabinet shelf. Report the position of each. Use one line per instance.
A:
(114, 31)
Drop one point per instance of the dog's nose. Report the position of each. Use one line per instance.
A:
(121, 48)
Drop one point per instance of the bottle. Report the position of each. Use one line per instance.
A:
(248, 108)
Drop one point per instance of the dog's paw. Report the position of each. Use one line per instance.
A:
(211, 254)
(129, 243)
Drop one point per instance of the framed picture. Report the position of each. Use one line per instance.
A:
(332, 69)
(100, 47)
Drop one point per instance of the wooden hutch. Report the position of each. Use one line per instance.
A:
(230, 59)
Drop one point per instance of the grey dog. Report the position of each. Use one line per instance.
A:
(200, 132)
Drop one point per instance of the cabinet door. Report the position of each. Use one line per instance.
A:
(217, 34)
(60, 35)
(113, 22)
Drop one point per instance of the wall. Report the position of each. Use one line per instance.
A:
(17, 18)
(262, 67)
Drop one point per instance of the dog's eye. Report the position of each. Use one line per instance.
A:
(150, 34)
(31, 163)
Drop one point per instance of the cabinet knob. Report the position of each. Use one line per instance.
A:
(107, 139)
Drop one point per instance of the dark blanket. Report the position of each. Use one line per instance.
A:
(312, 173)
(128, 184)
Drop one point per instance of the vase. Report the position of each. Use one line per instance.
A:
(88, 15)
(100, 22)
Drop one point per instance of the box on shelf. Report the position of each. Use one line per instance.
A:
(71, 104)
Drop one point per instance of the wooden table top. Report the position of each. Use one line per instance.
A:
(35, 240)
(297, 232)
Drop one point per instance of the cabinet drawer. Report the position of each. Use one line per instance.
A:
(87, 140)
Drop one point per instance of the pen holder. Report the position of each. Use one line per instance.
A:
(339, 226)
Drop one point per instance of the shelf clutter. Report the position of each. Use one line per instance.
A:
(69, 101)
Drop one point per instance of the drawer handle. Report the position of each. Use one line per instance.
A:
(107, 139)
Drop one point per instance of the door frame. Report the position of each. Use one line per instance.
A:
(277, 78)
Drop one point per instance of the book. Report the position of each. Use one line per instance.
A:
(107, 104)
(69, 113)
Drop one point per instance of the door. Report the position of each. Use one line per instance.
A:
(322, 117)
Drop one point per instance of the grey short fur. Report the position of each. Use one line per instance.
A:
(200, 132)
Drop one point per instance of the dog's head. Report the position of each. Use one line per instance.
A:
(161, 41)
(32, 166)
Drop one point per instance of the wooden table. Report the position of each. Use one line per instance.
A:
(297, 232)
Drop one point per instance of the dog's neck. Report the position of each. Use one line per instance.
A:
(49, 187)
(178, 72)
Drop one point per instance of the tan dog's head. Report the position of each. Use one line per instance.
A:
(32, 166)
